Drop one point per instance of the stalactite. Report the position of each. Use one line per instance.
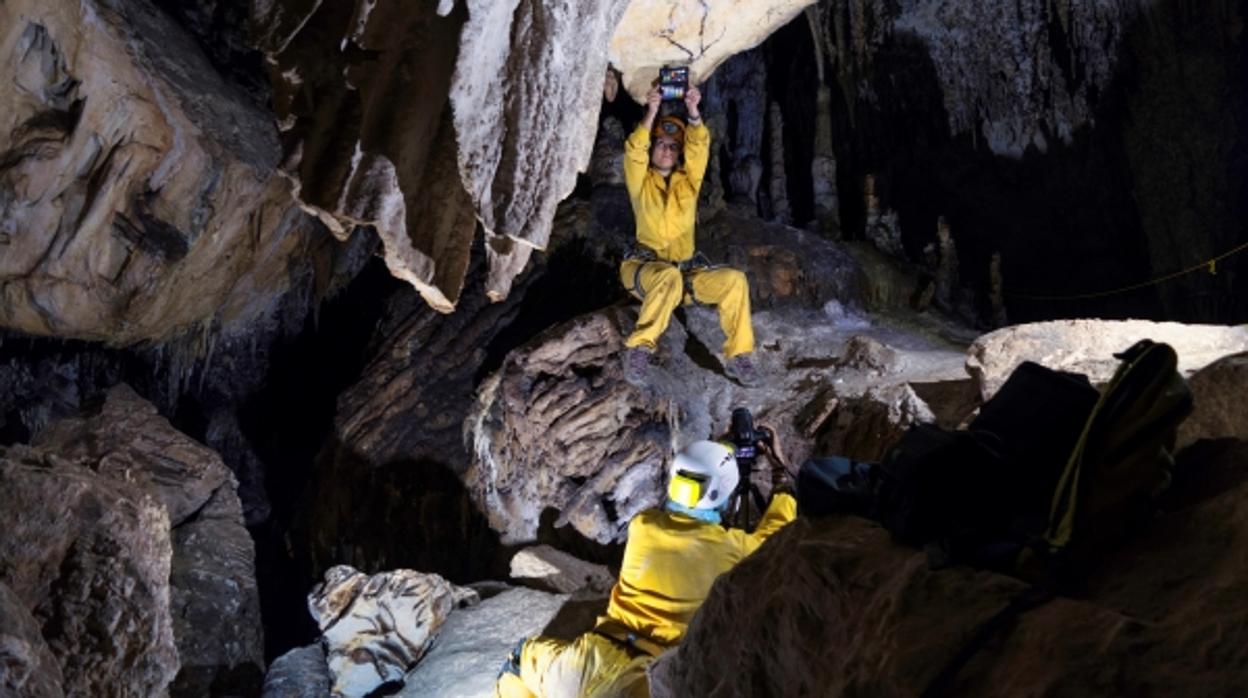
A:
(823, 164)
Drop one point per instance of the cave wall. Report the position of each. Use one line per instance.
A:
(1094, 146)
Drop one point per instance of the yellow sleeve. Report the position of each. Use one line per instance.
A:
(782, 510)
(636, 159)
(697, 153)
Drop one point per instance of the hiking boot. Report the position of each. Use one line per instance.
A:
(636, 366)
(741, 369)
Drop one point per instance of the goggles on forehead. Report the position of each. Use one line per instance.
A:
(669, 128)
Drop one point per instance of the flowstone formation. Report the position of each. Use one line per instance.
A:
(138, 196)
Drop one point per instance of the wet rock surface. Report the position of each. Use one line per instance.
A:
(361, 100)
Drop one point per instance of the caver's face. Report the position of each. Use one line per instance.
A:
(665, 153)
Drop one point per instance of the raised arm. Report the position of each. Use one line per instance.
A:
(697, 139)
(637, 147)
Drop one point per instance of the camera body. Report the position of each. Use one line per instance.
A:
(673, 82)
(746, 437)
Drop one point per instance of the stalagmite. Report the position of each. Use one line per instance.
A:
(823, 165)
(779, 185)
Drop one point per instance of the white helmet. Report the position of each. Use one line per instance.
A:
(703, 475)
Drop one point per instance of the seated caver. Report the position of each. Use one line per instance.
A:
(664, 163)
(671, 559)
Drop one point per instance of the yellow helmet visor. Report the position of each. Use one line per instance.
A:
(685, 490)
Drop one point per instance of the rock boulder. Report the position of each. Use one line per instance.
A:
(475, 641)
(91, 563)
(214, 599)
(27, 666)
(556, 571)
(138, 193)
(1218, 395)
(1088, 347)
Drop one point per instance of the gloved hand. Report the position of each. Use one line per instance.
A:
(781, 479)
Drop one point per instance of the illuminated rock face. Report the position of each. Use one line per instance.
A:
(1088, 347)
(138, 197)
(701, 35)
(360, 95)
(526, 93)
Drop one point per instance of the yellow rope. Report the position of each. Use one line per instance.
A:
(1210, 264)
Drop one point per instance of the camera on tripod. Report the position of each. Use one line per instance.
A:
(746, 439)
(746, 502)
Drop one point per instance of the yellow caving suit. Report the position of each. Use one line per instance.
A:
(670, 563)
(666, 211)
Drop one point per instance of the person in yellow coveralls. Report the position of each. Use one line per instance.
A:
(671, 559)
(664, 163)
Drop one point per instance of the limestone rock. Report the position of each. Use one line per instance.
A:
(475, 641)
(655, 33)
(527, 86)
(832, 606)
(138, 197)
(586, 445)
(376, 628)
(388, 490)
(866, 426)
(92, 564)
(1218, 394)
(126, 439)
(784, 265)
(558, 428)
(300, 673)
(27, 667)
(1025, 104)
(559, 572)
(1088, 347)
(361, 96)
(213, 595)
(215, 602)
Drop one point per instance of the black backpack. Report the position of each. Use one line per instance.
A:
(967, 494)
